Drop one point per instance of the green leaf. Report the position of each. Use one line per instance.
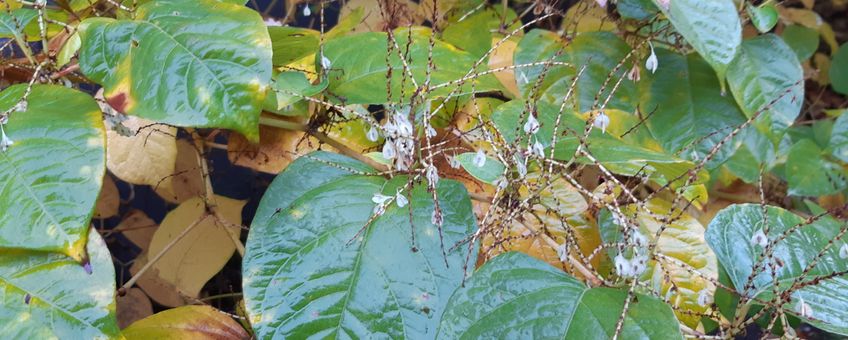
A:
(838, 144)
(600, 52)
(187, 63)
(186, 322)
(292, 43)
(839, 70)
(474, 32)
(764, 16)
(47, 296)
(12, 24)
(688, 107)
(637, 9)
(804, 41)
(729, 235)
(614, 153)
(358, 67)
(517, 296)
(681, 240)
(810, 174)
(306, 275)
(488, 173)
(712, 27)
(766, 71)
(53, 171)
(290, 87)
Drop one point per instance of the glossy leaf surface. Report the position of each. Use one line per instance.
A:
(52, 173)
(186, 323)
(306, 275)
(729, 235)
(52, 296)
(516, 296)
(156, 67)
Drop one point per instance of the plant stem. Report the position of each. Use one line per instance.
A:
(123, 290)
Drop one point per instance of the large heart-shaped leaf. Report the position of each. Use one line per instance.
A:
(730, 234)
(515, 296)
(682, 241)
(306, 275)
(690, 112)
(47, 296)
(712, 27)
(188, 63)
(766, 70)
(52, 173)
(358, 67)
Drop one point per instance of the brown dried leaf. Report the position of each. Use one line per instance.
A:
(109, 200)
(186, 180)
(276, 150)
(133, 306)
(138, 228)
(157, 289)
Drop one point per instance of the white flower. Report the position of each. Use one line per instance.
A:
(634, 73)
(436, 218)
(501, 183)
(562, 252)
(704, 297)
(843, 251)
(403, 124)
(538, 149)
(380, 198)
(804, 309)
(372, 134)
(639, 264)
(389, 150)
(21, 106)
(432, 175)
(521, 167)
(602, 121)
(759, 239)
(454, 162)
(665, 4)
(532, 125)
(272, 22)
(5, 142)
(401, 200)
(306, 11)
(430, 132)
(652, 63)
(622, 266)
(639, 239)
(602, 3)
(325, 62)
(480, 158)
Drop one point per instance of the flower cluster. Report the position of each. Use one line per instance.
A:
(400, 143)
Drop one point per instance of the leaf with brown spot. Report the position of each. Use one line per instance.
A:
(186, 323)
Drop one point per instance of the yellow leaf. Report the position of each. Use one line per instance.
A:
(133, 306)
(402, 13)
(147, 157)
(109, 200)
(587, 18)
(138, 228)
(276, 150)
(186, 323)
(186, 180)
(156, 288)
(502, 57)
(201, 253)
(801, 16)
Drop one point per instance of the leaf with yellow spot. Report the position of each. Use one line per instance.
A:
(187, 323)
(682, 250)
(197, 63)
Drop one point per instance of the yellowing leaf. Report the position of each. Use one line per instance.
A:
(138, 228)
(276, 149)
(147, 157)
(372, 17)
(156, 288)
(186, 180)
(133, 306)
(202, 252)
(582, 19)
(502, 57)
(186, 323)
(109, 200)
